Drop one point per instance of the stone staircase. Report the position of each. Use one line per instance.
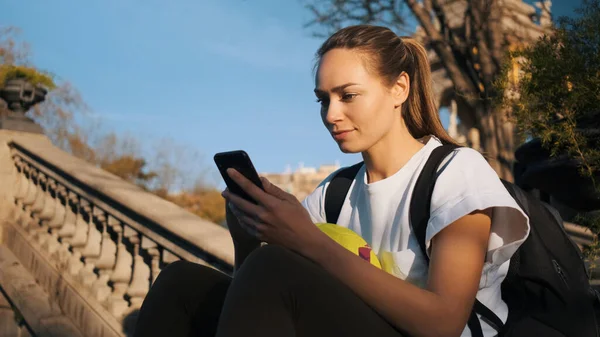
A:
(80, 248)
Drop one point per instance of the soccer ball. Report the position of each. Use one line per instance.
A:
(348, 239)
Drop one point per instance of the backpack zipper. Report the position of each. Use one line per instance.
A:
(560, 272)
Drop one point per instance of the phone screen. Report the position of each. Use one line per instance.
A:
(240, 161)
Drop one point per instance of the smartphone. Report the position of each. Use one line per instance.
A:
(240, 161)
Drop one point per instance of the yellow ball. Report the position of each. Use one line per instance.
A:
(348, 239)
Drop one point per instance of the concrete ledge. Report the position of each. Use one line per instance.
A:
(44, 318)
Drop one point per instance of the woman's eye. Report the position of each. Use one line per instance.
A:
(348, 97)
(322, 101)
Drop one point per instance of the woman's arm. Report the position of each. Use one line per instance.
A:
(443, 308)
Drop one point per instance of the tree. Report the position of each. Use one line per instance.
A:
(470, 40)
(206, 202)
(557, 95)
(171, 172)
(556, 98)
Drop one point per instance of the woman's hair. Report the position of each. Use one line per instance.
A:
(388, 56)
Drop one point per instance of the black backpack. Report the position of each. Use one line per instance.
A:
(547, 287)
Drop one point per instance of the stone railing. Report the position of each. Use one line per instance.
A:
(95, 243)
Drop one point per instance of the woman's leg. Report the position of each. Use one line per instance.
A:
(279, 293)
(184, 301)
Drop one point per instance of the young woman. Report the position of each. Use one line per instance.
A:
(375, 94)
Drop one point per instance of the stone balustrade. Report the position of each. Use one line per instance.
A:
(93, 242)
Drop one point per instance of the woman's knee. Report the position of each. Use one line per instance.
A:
(271, 255)
(274, 264)
(179, 273)
(176, 270)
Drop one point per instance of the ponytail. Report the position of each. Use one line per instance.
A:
(420, 113)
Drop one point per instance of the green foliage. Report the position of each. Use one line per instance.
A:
(557, 97)
(14, 62)
(32, 75)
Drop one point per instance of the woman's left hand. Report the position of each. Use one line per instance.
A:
(277, 218)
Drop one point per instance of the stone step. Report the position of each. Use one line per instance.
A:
(8, 323)
(31, 300)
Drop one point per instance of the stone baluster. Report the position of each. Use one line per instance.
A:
(36, 229)
(30, 174)
(29, 199)
(108, 255)
(121, 275)
(140, 280)
(38, 204)
(80, 236)
(19, 212)
(154, 255)
(47, 212)
(79, 239)
(20, 190)
(49, 209)
(67, 230)
(91, 250)
(58, 219)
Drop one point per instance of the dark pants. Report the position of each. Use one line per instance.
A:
(275, 293)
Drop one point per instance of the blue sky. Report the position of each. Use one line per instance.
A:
(209, 75)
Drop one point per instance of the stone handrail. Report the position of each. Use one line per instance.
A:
(108, 239)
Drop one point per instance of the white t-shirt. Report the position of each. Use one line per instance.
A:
(379, 212)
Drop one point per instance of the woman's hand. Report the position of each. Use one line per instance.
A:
(277, 218)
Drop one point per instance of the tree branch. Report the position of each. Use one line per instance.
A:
(335, 14)
(495, 34)
(442, 47)
(488, 67)
(455, 42)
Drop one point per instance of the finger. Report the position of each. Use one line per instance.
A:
(274, 190)
(236, 212)
(249, 187)
(243, 205)
(252, 226)
(231, 206)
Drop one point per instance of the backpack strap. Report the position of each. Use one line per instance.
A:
(337, 190)
(420, 211)
(420, 204)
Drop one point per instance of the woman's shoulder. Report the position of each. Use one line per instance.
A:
(466, 174)
(467, 166)
(467, 158)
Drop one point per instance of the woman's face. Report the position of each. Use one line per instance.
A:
(356, 107)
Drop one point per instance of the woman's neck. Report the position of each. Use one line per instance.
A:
(389, 155)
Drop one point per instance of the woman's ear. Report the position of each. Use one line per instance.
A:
(400, 89)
